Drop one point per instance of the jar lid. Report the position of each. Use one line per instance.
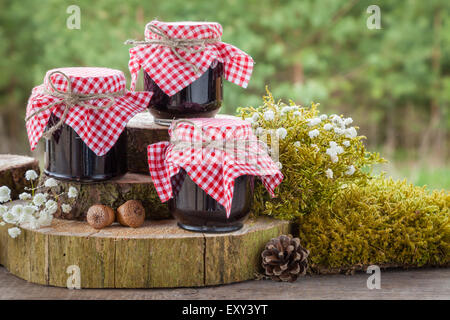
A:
(93, 101)
(210, 129)
(185, 30)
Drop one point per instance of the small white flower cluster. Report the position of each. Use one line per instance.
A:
(269, 115)
(339, 125)
(38, 209)
(333, 151)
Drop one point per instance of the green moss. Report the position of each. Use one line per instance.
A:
(348, 221)
(386, 222)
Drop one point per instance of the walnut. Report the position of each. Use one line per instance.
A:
(100, 216)
(131, 214)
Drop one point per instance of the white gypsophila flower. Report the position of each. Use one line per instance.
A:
(316, 148)
(29, 209)
(296, 113)
(10, 217)
(346, 143)
(2, 223)
(328, 126)
(66, 208)
(39, 199)
(269, 115)
(51, 206)
(24, 196)
(14, 232)
(281, 133)
(348, 121)
(350, 170)
(333, 144)
(73, 192)
(329, 173)
(334, 158)
(3, 210)
(33, 222)
(5, 194)
(45, 219)
(285, 109)
(323, 117)
(17, 210)
(259, 131)
(351, 132)
(279, 165)
(295, 108)
(31, 175)
(24, 217)
(255, 117)
(339, 150)
(50, 183)
(339, 130)
(250, 120)
(314, 122)
(313, 133)
(297, 144)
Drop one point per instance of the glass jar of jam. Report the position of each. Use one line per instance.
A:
(67, 157)
(196, 211)
(184, 65)
(202, 98)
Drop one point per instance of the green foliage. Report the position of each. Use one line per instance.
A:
(306, 50)
(386, 222)
(347, 221)
(305, 160)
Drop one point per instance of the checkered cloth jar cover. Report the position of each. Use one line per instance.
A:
(98, 128)
(172, 74)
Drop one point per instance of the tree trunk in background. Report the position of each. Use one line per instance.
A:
(391, 136)
(432, 140)
(298, 76)
(4, 141)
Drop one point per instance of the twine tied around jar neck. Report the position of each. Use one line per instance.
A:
(183, 44)
(239, 147)
(69, 100)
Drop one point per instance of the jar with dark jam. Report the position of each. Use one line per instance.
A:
(201, 99)
(196, 211)
(67, 157)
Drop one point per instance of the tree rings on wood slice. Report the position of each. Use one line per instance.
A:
(113, 193)
(12, 172)
(158, 254)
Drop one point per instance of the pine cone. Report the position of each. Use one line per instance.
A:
(284, 259)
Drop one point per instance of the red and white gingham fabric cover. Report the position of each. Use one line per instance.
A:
(213, 170)
(99, 129)
(171, 74)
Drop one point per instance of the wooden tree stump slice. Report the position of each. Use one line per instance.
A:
(142, 131)
(114, 193)
(158, 254)
(12, 172)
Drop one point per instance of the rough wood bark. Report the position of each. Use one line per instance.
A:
(229, 259)
(142, 131)
(159, 254)
(12, 172)
(114, 193)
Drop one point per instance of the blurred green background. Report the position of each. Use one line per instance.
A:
(394, 82)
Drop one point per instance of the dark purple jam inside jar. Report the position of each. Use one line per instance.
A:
(68, 157)
(201, 99)
(195, 210)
